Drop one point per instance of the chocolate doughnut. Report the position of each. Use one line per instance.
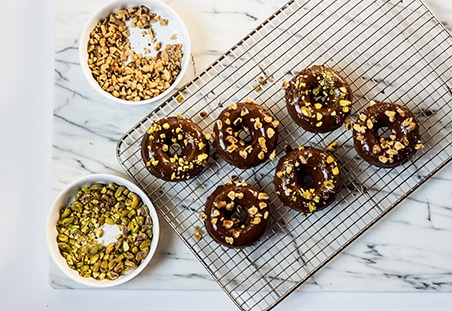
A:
(400, 144)
(306, 179)
(236, 214)
(318, 99)
(174, 149)
(245, 118)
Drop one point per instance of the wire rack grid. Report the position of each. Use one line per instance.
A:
(388, 51)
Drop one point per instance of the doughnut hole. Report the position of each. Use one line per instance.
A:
(244, 134)
(305, 179)
(175, 149)
(238, 215)
(384, 131)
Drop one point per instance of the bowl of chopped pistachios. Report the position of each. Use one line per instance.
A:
(134, 52)
(102, 230)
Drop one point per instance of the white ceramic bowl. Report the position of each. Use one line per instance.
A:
(139, 42)
(65, 197)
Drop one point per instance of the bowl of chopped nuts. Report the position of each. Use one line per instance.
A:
(134, 52)
(102, 230)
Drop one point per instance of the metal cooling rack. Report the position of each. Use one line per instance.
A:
(387, 50)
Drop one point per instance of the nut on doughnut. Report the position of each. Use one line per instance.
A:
(236, 214)
(318, 99)
(307, 179)
(234, 123)
(394, 148)
(174, 149)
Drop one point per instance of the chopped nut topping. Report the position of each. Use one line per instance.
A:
(262, 196)
(362, 117)
(244, 112)
(419, 146)
(272, 155)
(306, 112)
(229, 240)
(345, 103)
(231, 148)
(202, 216)
(257, 124)
(219, 125)
(306, 194)
(312, 207)
(232, 106)
(256, 220)
(302, 159)
(407, 122)
(318, 116)
(369, 124)
(228, 224)
(359, 128)
(237, 121)
(270, 132)
(401, 112)
(391, 115)
(262, 143)
(197, 234)
(243, 154)
(318, 106)
(398, 145)
(329, 159)
(348, 124)
(376, 149)
(231, 195)
(253, 210)
(328, 184)
(412, 126)
(336, 171)
(391, 152)
(383, 159)
(333, 146)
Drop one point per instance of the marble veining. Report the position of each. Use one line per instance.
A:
(408, 250)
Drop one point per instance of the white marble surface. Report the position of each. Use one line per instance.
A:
(407, 251)
(87, 127)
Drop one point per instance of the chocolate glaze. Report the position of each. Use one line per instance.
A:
(236, 215)
(318, 99)
(179, 133)
(395, 148)
(307, 179)
(251, 118)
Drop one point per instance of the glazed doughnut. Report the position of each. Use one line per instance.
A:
(174, 149)
(236, 214)
(318, 99)
(391, 151)
(242, 118)
(306, 179)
